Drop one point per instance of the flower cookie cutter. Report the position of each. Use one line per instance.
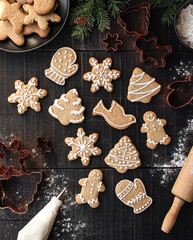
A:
(14, 194)
(135, 20)
(150, 50)
(181, 93)
(43, 145)
(111, 42)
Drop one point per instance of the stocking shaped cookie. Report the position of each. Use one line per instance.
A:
(154, 127)
(91, 187)
(133, 195)
(62, 65)
(142, 87)
(123, 156)
(101, 74)
(68, 108)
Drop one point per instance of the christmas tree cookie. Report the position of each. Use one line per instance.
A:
(142, 87)
(123, 156)
(68, 108)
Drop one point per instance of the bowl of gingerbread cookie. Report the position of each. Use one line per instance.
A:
(26, 25)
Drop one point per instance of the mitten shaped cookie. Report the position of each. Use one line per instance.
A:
(154, 127)
(62, 65)
(101, 74)
(133, 195)
(91, 187)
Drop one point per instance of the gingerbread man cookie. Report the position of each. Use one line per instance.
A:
(83, 146)
(91, 187)
(133, 194)
(62, 65)
(123, 156)
(142, 87)
(13, 13)
(154, 127)
(42, 20)
(68, 108)
(42, 7)
(101, 74)
(27, 95)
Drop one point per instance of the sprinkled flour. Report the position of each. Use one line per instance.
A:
(184, 25)
(170, 169)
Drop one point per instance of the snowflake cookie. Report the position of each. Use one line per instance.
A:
(27, 95)
(91, 187)
(123, 156)
(133, 194)
(68, 108)
(83, 146)
(101, 74)
(154, 127)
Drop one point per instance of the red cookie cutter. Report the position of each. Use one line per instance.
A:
(150, 50)
(44, 146)
(135, 20)
(111, 42)
(17, 185)
(181, 93)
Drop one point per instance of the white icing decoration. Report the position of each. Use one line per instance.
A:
(74, 91)
(78, 120)
(85, 182)
(73, 112)
(145, 126)
(114, 104)
(160, 122)
(57, 105)
(163, 140)
(150, 119)
(144, 85)
(77, 102)
(52, 113)
(99, 186)
(92, 201)
(151, 141)
(81, 198)
(63, 97)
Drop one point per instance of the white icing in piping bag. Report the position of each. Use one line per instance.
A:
(41, 224)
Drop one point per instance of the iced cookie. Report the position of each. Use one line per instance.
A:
(13, 13)
(133, 195)
(91, 187)
(68, 108)
(115, 116)
(83, 146)
(62, 65)
(154, 127)
(123, 156)
(27, 95)
(142, 87)
(101, 75)
(42, 20)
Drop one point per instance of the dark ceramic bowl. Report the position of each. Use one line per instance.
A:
(184, 5)
(34, 41)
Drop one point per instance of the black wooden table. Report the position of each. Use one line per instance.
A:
(112, 219)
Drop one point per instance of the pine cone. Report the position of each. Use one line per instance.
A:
(80, 21)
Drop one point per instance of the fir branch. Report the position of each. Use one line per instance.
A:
(115, 6)
(102, 16)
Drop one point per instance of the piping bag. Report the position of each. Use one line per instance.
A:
(41, 224)
(183, 191)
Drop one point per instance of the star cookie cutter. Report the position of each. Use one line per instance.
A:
(14, 194)
(181, 93)
(150, 50)
(43, 145)
(135, 20)
(111, 42)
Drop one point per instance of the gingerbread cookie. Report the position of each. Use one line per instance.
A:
(27, 95)
(154, 127)
(142, 87)
(42, 7)
(115, 116)
(6, 31)
(91, 187)
(133, 194)
(22, 1)
(62, 65)
(101, 74)
(13, 13)
(68, 108)
(123, 156)
(34, 28)
(83, 146)
(42, 20)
